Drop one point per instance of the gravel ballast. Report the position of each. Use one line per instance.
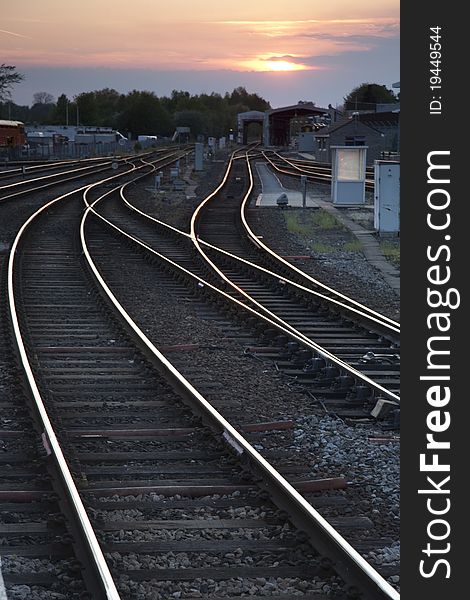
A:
(329, 446)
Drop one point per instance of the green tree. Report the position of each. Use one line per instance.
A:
(62, 113)
(107, 103)
(196, 120)
(143, 114)
(367, 95)
(180, 100)
(43, 98)
(99, 108)
(8, 78)
(240, 96)
(10, 110)
(87, 112)
(43, 110)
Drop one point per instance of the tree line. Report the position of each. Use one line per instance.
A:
(140, 112)
(145, 113)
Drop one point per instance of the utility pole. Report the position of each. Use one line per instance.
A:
(303, 189)
(67, 113)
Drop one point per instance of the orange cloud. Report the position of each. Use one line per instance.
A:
(243, 45)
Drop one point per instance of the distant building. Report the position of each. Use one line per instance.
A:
(388, 107)
(378, 131)
(277, 121)
(73, 141)
(244, 120)
(181, 135)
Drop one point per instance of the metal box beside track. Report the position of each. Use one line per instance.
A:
(387, 196)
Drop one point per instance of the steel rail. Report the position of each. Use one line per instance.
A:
(369, 183)
(278, 323)
(45, 166)
(373, 315)
(327, 170)
(368, 312)
(195, 239)
(316, 164)
(93, 548)
(51, 442)
(319, 176)
(93, 170)
(272, 318)
(314, 170)
(271, 315)
(101, 162)
(349, 563)
(286, 280)
(25, 182)
(391, 326)
(278, 276)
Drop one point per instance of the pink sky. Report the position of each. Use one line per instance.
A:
(276, 37)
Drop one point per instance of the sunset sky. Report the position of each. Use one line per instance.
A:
(285, 51)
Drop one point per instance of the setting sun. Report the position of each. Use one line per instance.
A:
(201, 46)
(262, 64)
(282, 65)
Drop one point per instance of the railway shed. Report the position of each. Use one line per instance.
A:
(276, 125)
(245, 119)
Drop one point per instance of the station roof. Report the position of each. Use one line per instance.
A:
(251, 114)
(378, 119)
(372, 120)
(325, 131)
(306, 108)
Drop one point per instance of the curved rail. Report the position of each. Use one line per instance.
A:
(365, 311)
(269, 317)
(348, 559)
(49, 165)
(25, 182)
(377, 317)
(19, 188)
(89, 537)
(392, 327)
(104, 579)
(319, 173)
(277, 322)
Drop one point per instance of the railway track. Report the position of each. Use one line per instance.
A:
(21, 170)
(172, 494)
(20, 187)
(35, 526)
(35, 531)
(320, 172)
(68, 173)
(336, 340)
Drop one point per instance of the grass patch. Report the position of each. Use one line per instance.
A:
(294, 224)
(304, 222)
(325, 220)
(322, 248)
(391, 252)
(353, 246)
